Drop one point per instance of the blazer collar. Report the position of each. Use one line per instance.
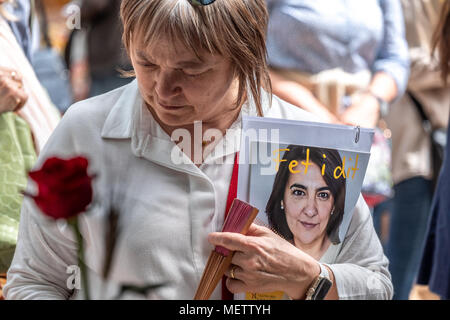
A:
(119, 122)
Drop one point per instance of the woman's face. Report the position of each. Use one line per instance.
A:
(307, 204)
(180, 88)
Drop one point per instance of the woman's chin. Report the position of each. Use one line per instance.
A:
(174, 119)
(308, 237)
(307, 240)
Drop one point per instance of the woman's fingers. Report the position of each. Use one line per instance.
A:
(262, 261)
(21, 99)
(12, 94)
(259, 259)
(236, 241)
(258, 231)
(11, 74)
(233, 271)
(236, 285)
(16, 77)
(237, 280)
(231, 241)
(240, 258)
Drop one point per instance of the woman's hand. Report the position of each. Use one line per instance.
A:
(364, 111)
(264, 262)
(298, 95)
(12, 93)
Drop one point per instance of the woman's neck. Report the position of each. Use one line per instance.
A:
(315, 249)
(221, 123)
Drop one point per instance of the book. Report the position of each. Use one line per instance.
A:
(304, 178)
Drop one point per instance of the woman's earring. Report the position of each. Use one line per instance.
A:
(332, 211)
(282, 205)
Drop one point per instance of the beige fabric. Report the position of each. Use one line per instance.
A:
(329, 86)
(410, 144)
(40, 113)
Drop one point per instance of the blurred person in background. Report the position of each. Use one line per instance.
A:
(434, 269)
(30, 27)
(20, 24)
(413, 118)
(48, 63)
(359, 38)
(344, 61)
(27, 118)
(99, 66)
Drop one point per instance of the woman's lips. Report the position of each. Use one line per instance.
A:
(308, 225)
(169, 107)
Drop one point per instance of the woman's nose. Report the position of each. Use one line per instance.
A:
(310, 209)
(166, 85)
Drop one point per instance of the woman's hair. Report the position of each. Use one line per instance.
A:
(277, 216)
(234, 29)
(441, 39)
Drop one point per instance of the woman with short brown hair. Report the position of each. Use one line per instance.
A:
(195, 61)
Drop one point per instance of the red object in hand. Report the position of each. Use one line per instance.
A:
(64, 187)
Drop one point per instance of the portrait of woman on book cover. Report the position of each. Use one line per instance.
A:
(307, 202)
(308, 192)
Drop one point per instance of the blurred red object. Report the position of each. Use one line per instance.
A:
(64, 187)
(373, 199)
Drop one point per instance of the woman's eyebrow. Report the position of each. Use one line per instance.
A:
(182, 64)
(142, 55)
(190, 64)
(297, 185)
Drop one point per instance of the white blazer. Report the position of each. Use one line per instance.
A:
(167, 210)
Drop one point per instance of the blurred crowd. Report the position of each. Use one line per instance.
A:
(363, 63)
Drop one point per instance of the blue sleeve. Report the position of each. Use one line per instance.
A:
(393, 56)
(270, 4)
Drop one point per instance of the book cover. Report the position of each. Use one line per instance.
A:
(305, 179)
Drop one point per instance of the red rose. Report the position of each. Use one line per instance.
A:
(64, 187)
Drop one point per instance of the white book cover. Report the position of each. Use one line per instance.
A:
(291, 169)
